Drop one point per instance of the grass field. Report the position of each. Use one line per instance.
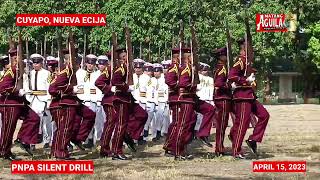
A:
(293, 133)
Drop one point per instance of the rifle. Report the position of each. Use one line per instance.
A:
(45, 50)
(129, 79)
(61, 59)
(20, 66)
(114, 54)
(194, 55)
(84, 50)
(228, 45)
(181, 40)
(72, 60)
(27, 65)
(249, 46)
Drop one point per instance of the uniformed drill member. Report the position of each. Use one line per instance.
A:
(186, 120)
(171, 79)
(205, 108)
(162, 119)
(122, 99)
(88, 94)
(222, 98)
(138, 113)
(65, 106)
(243, 99)
(39, 85)
(13, 106)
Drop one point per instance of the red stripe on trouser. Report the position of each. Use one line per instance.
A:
(261, 125)
(107, 130)
(29, 130)
(180, 125)
(223, 107)
(9, 122)
(243, 110)
(64, 131)
(120, 128)
(169, 145)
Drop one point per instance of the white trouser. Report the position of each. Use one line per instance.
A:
(199, 121)
(150, 108)
(166, 120)
(97, 129)
(46, 126)
(99, 122)
(162, 118)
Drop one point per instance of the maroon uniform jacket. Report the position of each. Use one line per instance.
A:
(9, 93)
(244, 89)
(62, 91)
(171, 79)
(222, 89)
(186, 90)
(104, 84)
(119, 80)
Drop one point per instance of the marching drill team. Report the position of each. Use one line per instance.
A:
(89, 103)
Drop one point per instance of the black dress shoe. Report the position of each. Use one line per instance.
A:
(253, 146)
(205, 141)
(142, 142)
(158, 136)
(23, 146)
(169, 153)
(89, 145)
(130, 143)
(79, 145)
(46, 146)
(119, 157)
(239, 156)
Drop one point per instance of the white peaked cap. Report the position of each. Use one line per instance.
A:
(36, 56)
(91, 56)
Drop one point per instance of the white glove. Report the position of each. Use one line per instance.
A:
(251, 78)
(113, 89)
(233, 86)
(22, 92)
(131, 88)
(75, 89)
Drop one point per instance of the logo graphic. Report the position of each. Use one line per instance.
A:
(271, 23)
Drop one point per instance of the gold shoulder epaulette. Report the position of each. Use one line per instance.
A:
(223, 70)
(174, 69)
(186, 70)
(239, 62)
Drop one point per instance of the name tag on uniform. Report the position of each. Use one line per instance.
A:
(80, 91)
(142, 94)
(160, 94)
(93, 91)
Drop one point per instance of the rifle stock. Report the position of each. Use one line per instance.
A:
(181, 40)
(129, 79)
(61, 58)
(72, 56)
(194, 55)
(114, 55)
(249, 48)
(20, 66)
(229, 47)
